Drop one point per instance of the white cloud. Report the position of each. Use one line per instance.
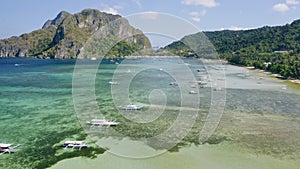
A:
(149, 15)
(196, 16)
(292, 2)
(236, 28)
(205, 3)
(288, 5)
(281, 7)
(110, 10)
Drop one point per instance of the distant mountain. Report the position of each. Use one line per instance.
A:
(65, 36)
(276, 49)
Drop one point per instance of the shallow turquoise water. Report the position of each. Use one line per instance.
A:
(37, 108)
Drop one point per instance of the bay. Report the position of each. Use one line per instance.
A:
(261, 116)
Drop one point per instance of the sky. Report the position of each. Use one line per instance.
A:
(23, 16)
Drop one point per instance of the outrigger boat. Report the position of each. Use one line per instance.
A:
(113, 82)
(131, 107)
(193, 92)
(8, 148)
(75, 144)
(102, 122)
(173, 83)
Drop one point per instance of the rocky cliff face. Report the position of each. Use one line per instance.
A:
(57, 21)
(65, 36)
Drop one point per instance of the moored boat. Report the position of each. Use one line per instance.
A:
(173, 83)
(102, 122)
(113, 83)
(193, 92)
(75, 144)
(131, 107)
(8, 148)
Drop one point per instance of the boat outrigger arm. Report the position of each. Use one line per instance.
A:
(8, 148)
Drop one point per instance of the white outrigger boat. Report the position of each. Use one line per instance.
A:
(8, 148)
(102, 122)
(173, 83)
(131, 107)
(75, 144)
(193, 92)
(113, 83)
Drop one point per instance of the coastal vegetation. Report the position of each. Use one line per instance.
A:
(275, 49)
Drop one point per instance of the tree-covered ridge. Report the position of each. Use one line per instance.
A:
(27, 44)
(276, 49)
(263, 40)
(66, 35)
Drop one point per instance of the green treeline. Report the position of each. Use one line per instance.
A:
(123, 48)
(285, 64)
(276, 49)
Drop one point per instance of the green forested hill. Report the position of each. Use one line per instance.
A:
(263, 40)
(276, 49)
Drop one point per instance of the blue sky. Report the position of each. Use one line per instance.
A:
(18, 16)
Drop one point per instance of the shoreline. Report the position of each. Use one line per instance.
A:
(97, 58)
(274, 75)
(191, 156)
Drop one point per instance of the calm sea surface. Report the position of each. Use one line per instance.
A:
(37, 108)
